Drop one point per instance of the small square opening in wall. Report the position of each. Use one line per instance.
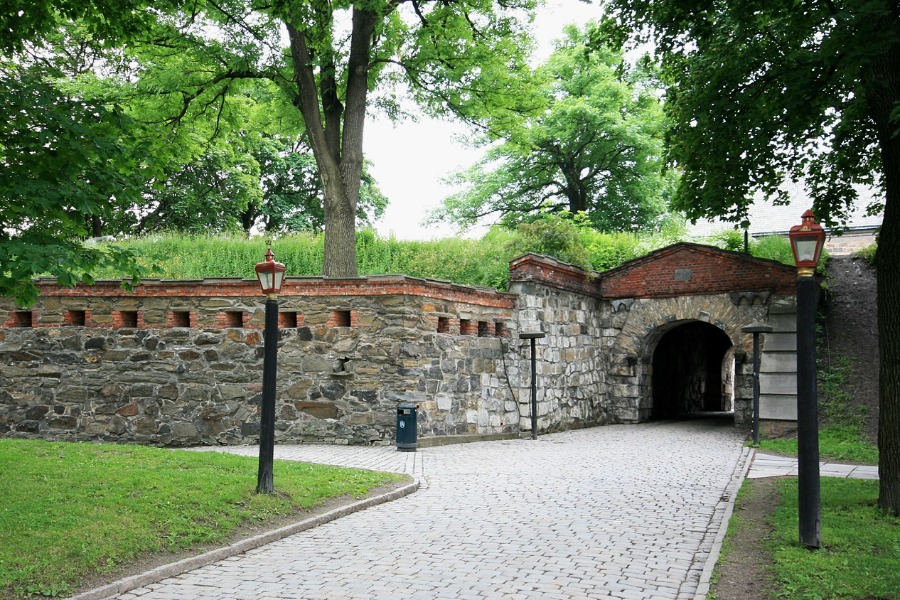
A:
(181, 318)
(340, 318)
(126, 318)
(443, 325)
(466, 327)
(76, 318)
(483, 329)
(233, 318)
(499, 330)
(23, 318)
(287, 319)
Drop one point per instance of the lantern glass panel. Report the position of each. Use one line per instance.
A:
(265, 279)
(806, 249)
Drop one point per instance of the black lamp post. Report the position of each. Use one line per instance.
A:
(807, 240)
(756, 329)
(270, 275)
(535, 335)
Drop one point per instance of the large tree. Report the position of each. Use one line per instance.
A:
(340, 58)
(761, 92)
(595, 148)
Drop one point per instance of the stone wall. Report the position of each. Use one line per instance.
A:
(181, 363)
(562, 302)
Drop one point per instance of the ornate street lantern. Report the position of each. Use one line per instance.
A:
(807, 241)
(270, 274)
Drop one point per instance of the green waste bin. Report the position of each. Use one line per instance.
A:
(406, 427)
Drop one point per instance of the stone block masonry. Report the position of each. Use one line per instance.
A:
(179, 363)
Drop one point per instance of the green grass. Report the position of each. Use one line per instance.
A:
(482, 262)
(860, 557)
(841, 443)
(68, 511)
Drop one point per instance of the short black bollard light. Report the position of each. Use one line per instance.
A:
(407, 432)
(756, 329)
(270, 275)
(533, 335)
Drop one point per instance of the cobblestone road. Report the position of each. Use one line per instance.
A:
(623, 511)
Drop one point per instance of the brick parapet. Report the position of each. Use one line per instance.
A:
(293, 286)
(553, 273)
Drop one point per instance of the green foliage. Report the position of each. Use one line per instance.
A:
(836, 404)
(559, 236)
(595, 148)
(483, 262)
(868, 254)
(243, 182)
(72, 511)
(778, 248)
(67, 162)
(802, 101)
(23, 21)
(771, 247)
(861, 545)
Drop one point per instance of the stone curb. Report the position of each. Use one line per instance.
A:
(195, 562)
(731, 491)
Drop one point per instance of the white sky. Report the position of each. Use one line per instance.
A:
(410, 160)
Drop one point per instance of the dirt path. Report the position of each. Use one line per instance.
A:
(745, 571)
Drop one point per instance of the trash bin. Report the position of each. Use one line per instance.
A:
(406, 428)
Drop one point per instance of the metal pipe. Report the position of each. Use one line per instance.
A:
(534, 433)
(533, 336)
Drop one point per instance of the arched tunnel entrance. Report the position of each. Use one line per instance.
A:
(693, 367)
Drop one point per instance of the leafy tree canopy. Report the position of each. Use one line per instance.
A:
(64, 160)
(596, 148)
(761, 93)
(337, 60)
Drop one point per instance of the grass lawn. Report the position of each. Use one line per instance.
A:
(68, 511)
(836, 443)
(860, 557)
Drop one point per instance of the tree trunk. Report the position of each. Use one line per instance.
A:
(883, 93)
(340, 232)
(96, 226)
(574, 188)
(335, 133)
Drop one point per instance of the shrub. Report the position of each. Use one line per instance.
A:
(868, 254)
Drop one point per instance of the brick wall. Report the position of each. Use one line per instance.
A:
(551, 272)
(692, 269)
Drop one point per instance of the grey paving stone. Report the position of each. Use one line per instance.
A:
(622, 511)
